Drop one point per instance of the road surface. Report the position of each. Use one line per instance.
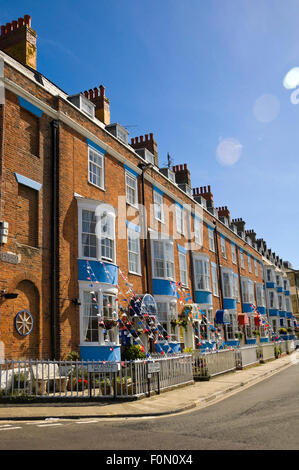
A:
(264, 416)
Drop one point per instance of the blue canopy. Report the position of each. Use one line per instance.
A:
(222, 317)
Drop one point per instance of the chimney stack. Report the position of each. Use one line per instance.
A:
(251, 234)
(223, 212)
(146, 142)
(18, 40)
(182, 174)
(102, 103)
(240, 224)
(205, 192)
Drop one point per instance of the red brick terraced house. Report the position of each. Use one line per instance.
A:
(92, 230)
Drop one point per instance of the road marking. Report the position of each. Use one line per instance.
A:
(87, 422)
(52, 424)
(8, 429)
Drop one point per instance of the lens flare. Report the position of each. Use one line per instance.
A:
(266, 108)
(229, 151)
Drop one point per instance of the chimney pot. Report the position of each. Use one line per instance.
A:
(27, 19)
(20, 22)
(90, 94)
(102, 90)
(96, 92)
(151, 136)
(141, 138)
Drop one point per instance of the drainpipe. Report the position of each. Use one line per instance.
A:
(219, 274)
(240, 286)
(218, 266)
(144, 167)
(54, 237)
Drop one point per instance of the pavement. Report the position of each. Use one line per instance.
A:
(180, 399)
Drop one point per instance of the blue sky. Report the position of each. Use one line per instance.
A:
(195, 73)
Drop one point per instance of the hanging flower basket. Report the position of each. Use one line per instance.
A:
(108, 324)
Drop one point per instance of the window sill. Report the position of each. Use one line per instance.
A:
(135, 274)
(96, 186)
(101, 260)
(161, 221)
(135, 206)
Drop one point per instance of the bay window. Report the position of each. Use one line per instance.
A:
(96, 224)
(88, 235)
(107, 236)
(204, 328)
(98, 312)
(163, 259)
(167, 316)
(272, 297)
(247, 290)
(232, 327)
(202, 273)
(228, 283)
(236, 288)
(260, 295)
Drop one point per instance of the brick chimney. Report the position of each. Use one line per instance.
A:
(205, 192)
(223, 212)
(146, 142)
(251, 234)
(97, 97)
(261, 245)
(240, 224)
(182, 174)
(18, 40)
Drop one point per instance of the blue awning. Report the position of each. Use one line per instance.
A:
(222, 317)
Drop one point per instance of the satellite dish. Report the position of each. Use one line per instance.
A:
(143, 304)
(148, 305)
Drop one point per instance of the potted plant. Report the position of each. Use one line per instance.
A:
(133, 352)
(283, 331)
(256, 333)
(238, 335)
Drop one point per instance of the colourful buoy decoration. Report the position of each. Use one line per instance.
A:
(24, 322)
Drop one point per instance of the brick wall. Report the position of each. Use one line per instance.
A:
(27, 150)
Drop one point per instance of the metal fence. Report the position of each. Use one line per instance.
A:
(209, 364)
(82, 379)
(247, 356)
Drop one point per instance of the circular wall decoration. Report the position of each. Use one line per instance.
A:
(24, 322)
